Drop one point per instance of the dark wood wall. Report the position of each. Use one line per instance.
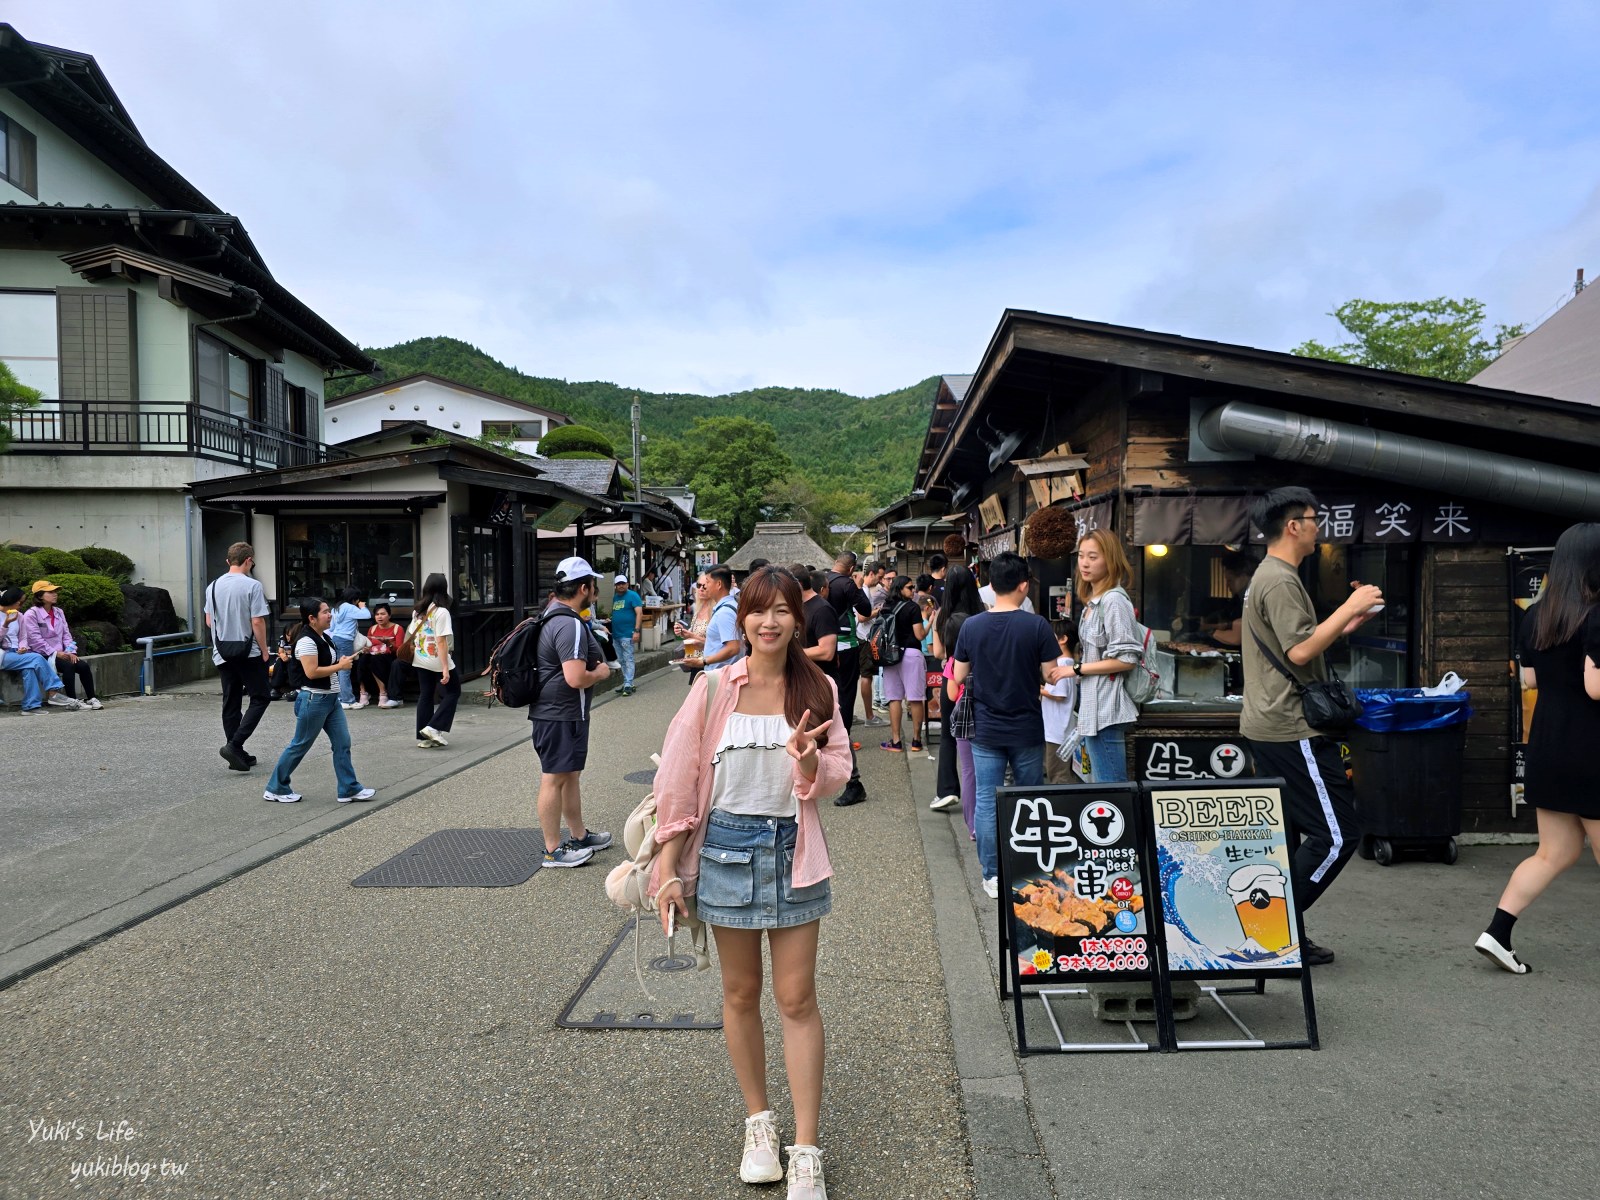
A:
(1466, 628)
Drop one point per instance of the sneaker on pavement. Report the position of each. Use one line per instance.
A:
(425, 744)
(282, 797)
(251, 759)
(361, 703)
(59, 701)
(943, 802)
(1502, 956)
(916, 745)
(1314, 955)
(760, 1163)
(568, 854)
(594, 839)
(854, 793)
(236, 759)
(93, 703)
(388, 704)
(991, 887)
(346, 705)
(363, 794)
(892, 747)
(805, 1174)
(875, 719)
(434, 736)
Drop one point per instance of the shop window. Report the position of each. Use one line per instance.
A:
(482, 563)
(1379, 653)
(1193, 595)
(323, 556)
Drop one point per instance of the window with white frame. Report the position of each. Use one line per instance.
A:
(28, 340)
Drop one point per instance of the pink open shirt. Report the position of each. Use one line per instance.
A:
(683, 782)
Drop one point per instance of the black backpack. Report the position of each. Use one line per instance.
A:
(883, 639)
(514, 662)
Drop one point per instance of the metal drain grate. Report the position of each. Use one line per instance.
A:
(462, 858)
(610, 997)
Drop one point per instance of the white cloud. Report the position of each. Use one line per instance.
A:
(714, 194)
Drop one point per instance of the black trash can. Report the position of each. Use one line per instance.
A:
(1406, 757)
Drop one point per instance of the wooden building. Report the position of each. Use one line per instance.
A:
(1426, 488)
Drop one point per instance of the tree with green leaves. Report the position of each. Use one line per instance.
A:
(14, 397)
(1442, 338)
(794, 498)
(729, 463)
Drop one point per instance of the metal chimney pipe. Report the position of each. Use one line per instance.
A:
(1402, 458)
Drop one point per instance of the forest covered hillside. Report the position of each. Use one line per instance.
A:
(838, 442)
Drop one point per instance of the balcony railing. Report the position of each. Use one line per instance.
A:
(114, 427)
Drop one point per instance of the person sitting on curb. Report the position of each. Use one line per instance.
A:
(316, 709)
(382, 669)
(40, 683)
(45, 631)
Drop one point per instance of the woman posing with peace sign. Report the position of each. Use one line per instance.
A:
(746, 759)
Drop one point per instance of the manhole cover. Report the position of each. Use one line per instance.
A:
(611, 998)
(462, 858)
(645, 777)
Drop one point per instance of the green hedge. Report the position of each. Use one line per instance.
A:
(59, 562)
(564, 438)
(88, 597)
(18, 569)
(104, 561)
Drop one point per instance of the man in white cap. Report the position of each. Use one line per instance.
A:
(625, 606)
(570, 664)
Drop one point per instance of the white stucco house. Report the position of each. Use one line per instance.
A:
(166, 351)
(452, 407)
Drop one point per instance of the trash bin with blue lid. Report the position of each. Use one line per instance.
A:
(1406, 755)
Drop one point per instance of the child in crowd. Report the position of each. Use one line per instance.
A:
(1059, 699)
(342, 633)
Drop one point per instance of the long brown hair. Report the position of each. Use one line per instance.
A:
(1119, 571)
(805, 687)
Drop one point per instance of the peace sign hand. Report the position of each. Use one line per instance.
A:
(802, 743)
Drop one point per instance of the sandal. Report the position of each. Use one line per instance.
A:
(893, 747)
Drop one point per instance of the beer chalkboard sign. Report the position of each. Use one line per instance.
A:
(1227, 895)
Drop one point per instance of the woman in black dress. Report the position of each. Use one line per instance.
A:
(1561, 658)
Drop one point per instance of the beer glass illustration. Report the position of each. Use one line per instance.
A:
(1258, 897)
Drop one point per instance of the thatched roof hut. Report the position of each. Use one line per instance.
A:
(781, 542)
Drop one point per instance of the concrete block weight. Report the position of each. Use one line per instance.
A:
(1136, 1001)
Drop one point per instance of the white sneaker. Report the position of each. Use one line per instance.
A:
(282, 797)
(94, 704)
(434, 736)
(805, 1174)
(345, 706)
(991, 887)
(363, 794)
(361, 703)
(388, 704)
(1502, 956)
(60, 701)
(760, 1163)
(425, 744)
(943, 802)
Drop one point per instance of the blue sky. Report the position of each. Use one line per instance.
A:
(716, 195)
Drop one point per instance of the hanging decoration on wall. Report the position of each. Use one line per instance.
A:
(1051, 533)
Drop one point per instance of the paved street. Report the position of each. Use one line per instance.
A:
(287, 1034)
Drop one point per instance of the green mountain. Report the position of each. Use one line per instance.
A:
(839, 442)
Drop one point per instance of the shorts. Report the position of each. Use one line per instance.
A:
(562, 746)
(869, 665)
(746, 875)
(907, 679)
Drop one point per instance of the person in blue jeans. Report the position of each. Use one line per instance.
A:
(1003, 655)
(625, 606)
(317, 709)
(40, 683)
(352, 608)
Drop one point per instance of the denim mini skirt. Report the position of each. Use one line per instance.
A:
(747, 875)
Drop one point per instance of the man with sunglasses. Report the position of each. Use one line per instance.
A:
(1278, 616)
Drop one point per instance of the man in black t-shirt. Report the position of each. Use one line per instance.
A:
(819, 624)
(847, 600)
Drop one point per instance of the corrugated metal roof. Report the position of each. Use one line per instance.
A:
(1560, 359)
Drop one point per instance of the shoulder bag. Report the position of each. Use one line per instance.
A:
(963, 721)
(231, 649)
(1328, 706)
